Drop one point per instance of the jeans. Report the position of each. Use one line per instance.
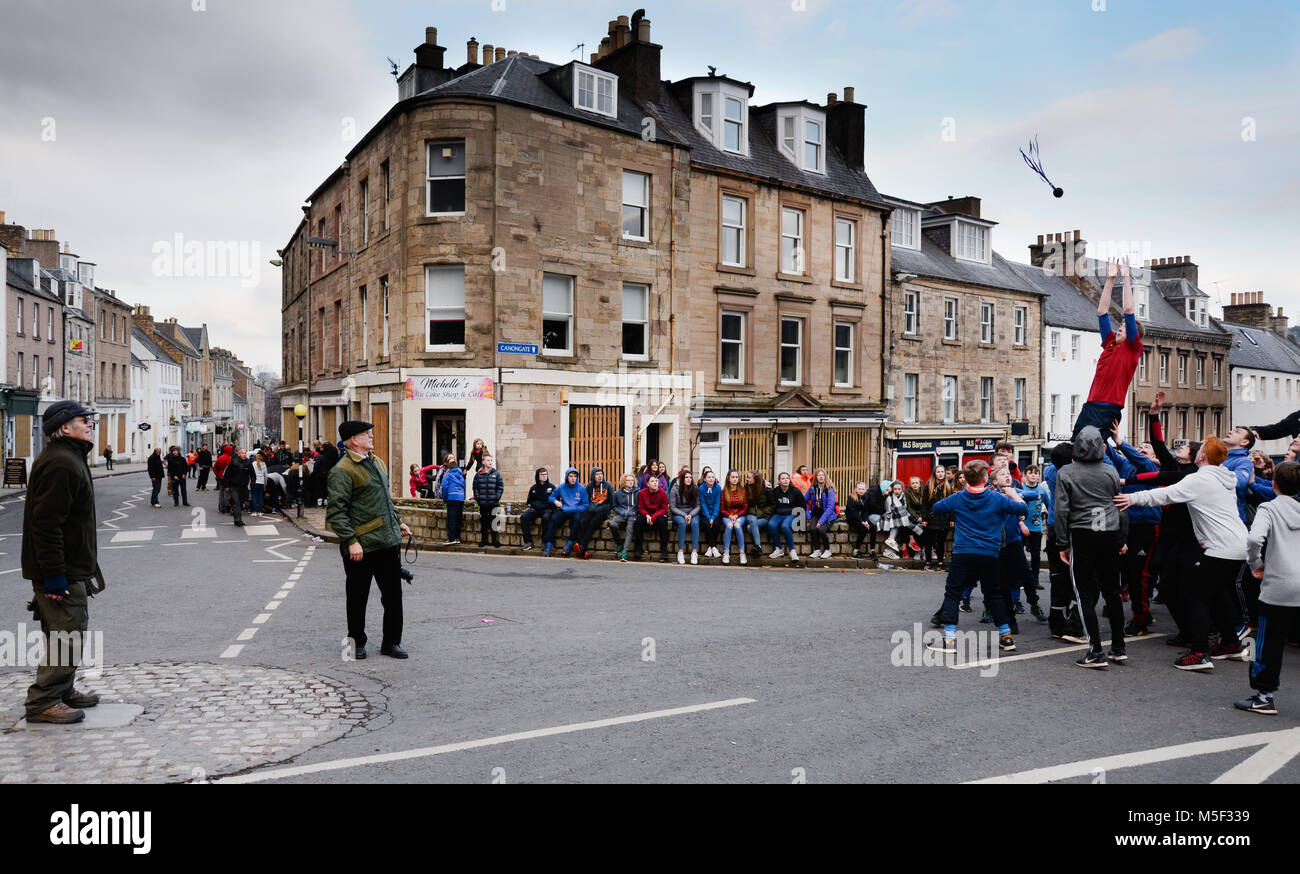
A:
(455, 511)
(108, 459)
(558, 518)
(259, 491)
(1034, 546)
(178, 492)
(1014, 573)
(237, 496)
(1099, 415)
(623, 528)
(965, 571)
(529, 517)
(203, 477)
(710, 530)
(781, 530)
(157, 486)
(485, 512)
(682, 525)
(755, 526)
(732, 525)
(660, 525)
(1094, 565)
(818, 535)
(384, 566)
(589, 527)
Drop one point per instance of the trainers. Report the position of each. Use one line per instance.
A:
(1135, 629)
(1037, 613)
(681, 557)
(1007, 643)
(527, 546)
(928, 566)
(1093, 660)
(1019, 608)
(1238, 653)
(59, 714)
(744, 559)
(965, 606)
(726, 557)
(1118, 656)
(622, 556)
(1257, 703)
(892, 544)
(777, 553)
(913, 545)
(452, 542)
(1194, 661)
(1245, 631)
(567, 547)
(695, 557)
(889, 554)
(794, 555)
(945, 644)
(1074, 638)
(546, 550)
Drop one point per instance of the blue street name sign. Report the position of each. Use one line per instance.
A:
(517, 349)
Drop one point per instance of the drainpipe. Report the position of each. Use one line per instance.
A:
(884, 331)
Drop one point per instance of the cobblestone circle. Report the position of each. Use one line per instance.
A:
(199, 721)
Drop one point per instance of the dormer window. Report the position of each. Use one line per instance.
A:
(1142, 301)
(972, 242)
(906, 228)
(1194, 309)
(595, 91)
(722, 115)
(803, 137)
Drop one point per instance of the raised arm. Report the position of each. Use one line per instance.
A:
(1157, 436)
(1103, 305)
(1130, 319)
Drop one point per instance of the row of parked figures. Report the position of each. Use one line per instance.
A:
(739, 510)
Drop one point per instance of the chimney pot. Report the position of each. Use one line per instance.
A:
(2, 217)
(830, 98)
(471, 50)
(511, 53)
(1040, 239)
(848, 93)
(487, 52)
(1076, 236)
(643, 30)
(431, 36)
(500, 53)
(595, 56)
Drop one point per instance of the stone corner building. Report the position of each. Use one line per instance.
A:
(585, 265)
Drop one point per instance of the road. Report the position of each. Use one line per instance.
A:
(230, 642)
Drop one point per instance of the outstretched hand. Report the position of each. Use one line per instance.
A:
(1112, 268)
(1122, 502)
(1157, 403)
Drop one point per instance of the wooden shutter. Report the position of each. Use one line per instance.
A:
(846, 455)
(750, 449)
(596, 439)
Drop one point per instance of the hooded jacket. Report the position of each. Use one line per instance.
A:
(761, 507)
(1240, 463)
(788, 501)
(571, 497)
(453, 484)
(826, 498)
(1211, 496)
(625, 503)
(1085, 491)
(678, 504)
(600, 495)
(978, 516)
(710, 500)
(539, 496)
(1277, 530)
(155, 466)
(1129, 463)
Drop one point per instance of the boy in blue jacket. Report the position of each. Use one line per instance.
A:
(570, 500)
(978, 512)
(1143, 534)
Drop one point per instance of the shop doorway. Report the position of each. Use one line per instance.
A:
(914, 465)
(442, 432)
(784, 454)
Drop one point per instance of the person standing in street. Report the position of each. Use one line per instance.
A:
(488, 489)
(176, 472)
(205, 467)
(59, 554)
(238, 475)
(108, 456)
(156, 474)
(370, 530)
(259, 484)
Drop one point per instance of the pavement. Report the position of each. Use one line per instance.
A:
(522, 669)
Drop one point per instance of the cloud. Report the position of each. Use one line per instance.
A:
(1163, 48)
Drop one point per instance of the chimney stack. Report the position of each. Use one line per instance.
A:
(830, 99)
(846, 124)
(487, 53)
(1249, 308)
(848, 94)
(1180, 267)
(501, 53)
(471, 51)
(1066, 254)
(628, 53)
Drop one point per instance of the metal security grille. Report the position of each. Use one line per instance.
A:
(846, 455)
(751, 449)
(596, 439)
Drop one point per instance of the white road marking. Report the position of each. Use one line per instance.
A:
(190, 543)
(131, 536)
(285, 586)
(247, 634)
(1149, 757)
(294, 577)
(197, 533)
(232, 650)
(1267, 761)
(137, 546)
(12, 571)
(272, 605)
(425, 752)
(1056, 650)
(274, 547)
(267, 530)
(261, 618)
(280, 594)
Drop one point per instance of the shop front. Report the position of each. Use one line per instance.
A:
(915, 452)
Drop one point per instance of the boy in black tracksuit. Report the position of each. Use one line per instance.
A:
(539, 505)
(601, 498)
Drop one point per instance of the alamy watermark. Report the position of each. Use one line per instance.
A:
(25, 648)
(203, 259)
(973, 647)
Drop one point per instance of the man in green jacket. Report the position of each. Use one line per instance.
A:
(370, 531)
(60, 558)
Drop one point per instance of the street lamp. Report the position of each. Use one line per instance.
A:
(301, 412)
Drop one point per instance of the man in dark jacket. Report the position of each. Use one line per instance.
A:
(59, 555)
(488, 488)
(539, 505)
(239, 473)
(205, 467)
(156, 474)
(329, 456)
(177, 470)
(600, 500)
(370, 530)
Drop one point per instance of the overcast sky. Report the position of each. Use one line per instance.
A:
(1172, 126)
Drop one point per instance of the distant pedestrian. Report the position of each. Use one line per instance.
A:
(258, 485)
(108, 457)
(205, 467)
(156, 473)
(176, 472)
(453, 497)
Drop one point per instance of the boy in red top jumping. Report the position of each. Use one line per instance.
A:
(1120, 353)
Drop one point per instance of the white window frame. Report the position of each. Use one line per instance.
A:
(1019, 389)
(598, 78)
(977, 249)
(911, 383)
(429, 177)
(1142, 367)
(739, 344)
(911, 312)
(384, 348)
(36, 320)
(797, 346)
(795, 146)
(1074, 409)
(1074, 347)
(1164, 366)
(950, 399)
(741, 230)
(556, 315)
(365, 211)
(839, 350)
(800, 248)
(909, 218)
(1182, 368)
(988, 327)
(716, 133)
(1200, 371)
(986, 398)
(1020, 326)
(644, 179)
(643, 320)
(951, 318)
(1054, 345)
(365, 325)
(49, 323)
(429, 271)
(1141, 301)
(1055, 414)
(846, 255)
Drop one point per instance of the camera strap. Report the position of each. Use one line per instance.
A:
(412, 552)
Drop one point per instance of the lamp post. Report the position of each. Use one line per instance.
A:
(301, 412)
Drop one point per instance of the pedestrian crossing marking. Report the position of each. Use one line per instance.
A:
(267, 530)
(131, 536)
(194, 533)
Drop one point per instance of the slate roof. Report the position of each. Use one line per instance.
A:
(195, 336)
(1268, 351)
(136, 362)
(518, 80)
(1177, 288)
(1065, 306)
(148, 342)
(23, 283)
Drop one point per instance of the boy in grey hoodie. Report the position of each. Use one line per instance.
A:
(1093, 531)
(1275, 536)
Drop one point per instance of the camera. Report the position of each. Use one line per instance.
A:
(406, 575)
